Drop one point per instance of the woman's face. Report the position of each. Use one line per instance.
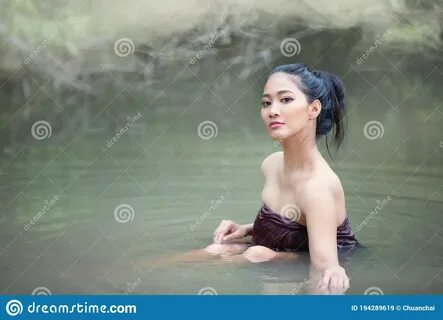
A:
(285, 108)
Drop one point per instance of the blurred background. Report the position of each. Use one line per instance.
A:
(128, 130)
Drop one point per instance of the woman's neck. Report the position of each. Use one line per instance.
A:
(299, 154)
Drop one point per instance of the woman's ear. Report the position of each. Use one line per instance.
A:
(314, 109)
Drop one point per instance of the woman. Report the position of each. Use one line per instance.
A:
(303, 200)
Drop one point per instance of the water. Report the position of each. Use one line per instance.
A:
(170, 177)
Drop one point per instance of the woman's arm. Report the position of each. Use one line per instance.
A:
(229, 230)
(249, 228)
(321, 221)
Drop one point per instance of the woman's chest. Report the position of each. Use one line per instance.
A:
(284, 195)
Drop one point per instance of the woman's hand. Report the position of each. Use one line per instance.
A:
(229, 230)
(333, 277)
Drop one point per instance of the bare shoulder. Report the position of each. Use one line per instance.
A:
(271, 161)
(325, 187)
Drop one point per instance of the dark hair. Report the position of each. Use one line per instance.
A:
(329, 90)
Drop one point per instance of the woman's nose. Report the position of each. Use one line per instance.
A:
(274, 111)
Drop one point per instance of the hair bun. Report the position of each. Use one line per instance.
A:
(337, 84)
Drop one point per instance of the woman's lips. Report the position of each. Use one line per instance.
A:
(275, 125)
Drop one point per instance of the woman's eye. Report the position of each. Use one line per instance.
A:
(286, 100)
(265, 104)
